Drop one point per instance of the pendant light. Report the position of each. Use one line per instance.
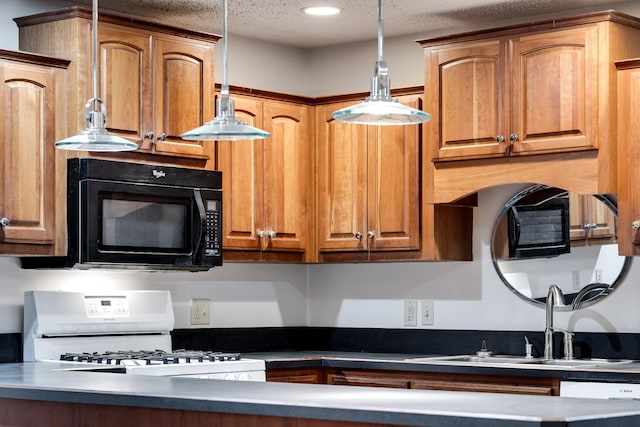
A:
(225, 126)
(95, 137)
(379, 108)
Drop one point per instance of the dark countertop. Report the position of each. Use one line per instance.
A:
(628, 372)
(52, 381)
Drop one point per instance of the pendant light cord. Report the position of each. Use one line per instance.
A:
(94, 48)
(380, 31)
(225, 84)
(379, 108)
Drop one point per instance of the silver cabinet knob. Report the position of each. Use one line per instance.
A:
(162, 136)
(500, 139)
(358, 235)
(513, 138)
(370, 234)
(148, 135)
(4, 222)
(272, 234)
(635, 224)
(261, 233)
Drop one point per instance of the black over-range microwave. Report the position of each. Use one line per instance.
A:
(130, 215)
(539, 228)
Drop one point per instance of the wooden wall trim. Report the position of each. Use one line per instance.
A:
(360, 96)
(306, 100)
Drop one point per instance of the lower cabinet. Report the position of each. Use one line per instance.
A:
(301, 376)
(27, 413)
(542, 386)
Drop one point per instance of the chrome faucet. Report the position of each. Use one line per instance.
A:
(555, 298)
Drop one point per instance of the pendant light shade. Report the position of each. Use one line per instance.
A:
(379, 108)
(95, 137)
(225, 126)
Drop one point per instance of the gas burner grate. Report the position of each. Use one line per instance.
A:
(153, 357)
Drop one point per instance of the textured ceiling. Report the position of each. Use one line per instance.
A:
(281, 21)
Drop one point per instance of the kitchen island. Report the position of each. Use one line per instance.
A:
(50, 393)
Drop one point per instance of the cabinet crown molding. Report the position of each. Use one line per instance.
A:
(542, 25)
(113, 18)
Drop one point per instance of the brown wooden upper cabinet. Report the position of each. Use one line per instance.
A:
(156, 88)
(629, 157)
(590, 219)
(29, 90)
(368, 186)
(157, 82)
(527, 103)
(268, 184)
(516, 96)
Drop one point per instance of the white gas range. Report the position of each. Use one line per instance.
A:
(123, 331)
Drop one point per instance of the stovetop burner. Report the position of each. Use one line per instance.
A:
(145, 357)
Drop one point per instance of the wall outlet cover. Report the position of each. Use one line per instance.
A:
(200, 311)
(427, 313)
(411, 313)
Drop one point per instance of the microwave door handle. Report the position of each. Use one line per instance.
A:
(516, 226)
(199, 225)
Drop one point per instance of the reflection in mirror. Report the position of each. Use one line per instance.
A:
(545, 235)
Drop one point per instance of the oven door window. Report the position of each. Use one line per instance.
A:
(139, 223)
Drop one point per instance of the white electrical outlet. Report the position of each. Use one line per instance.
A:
(427, 312)
(200, 308)
(411, 313)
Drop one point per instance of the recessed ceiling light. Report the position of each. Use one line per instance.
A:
(321, 10)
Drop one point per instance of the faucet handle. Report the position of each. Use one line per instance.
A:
(568, 345)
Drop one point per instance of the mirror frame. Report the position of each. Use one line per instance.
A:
(611, 202)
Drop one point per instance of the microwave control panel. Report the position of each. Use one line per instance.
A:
(213, 233)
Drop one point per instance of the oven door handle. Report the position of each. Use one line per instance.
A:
(200, 219)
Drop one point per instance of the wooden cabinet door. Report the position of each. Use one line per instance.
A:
(555, 81)
(483, 387)
(629, 158)
(267, 183)
(125, 83)
(467, 86)
(342, 182)
(367, 380)
(183, 93)
(242, 182)
(287, 180)
(394, 185)
(590, 218)
(27, 134)
(577, 230)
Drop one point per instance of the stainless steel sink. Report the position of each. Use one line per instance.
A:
(520, 361)
(464, 358)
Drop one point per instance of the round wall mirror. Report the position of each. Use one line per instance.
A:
(545, 235)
